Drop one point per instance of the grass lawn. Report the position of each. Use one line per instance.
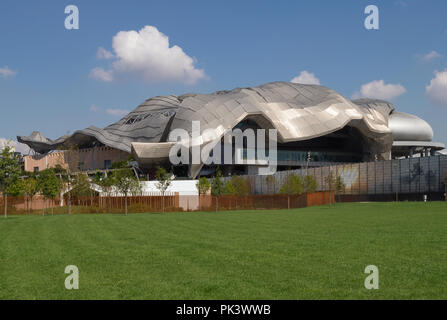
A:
(312, 253)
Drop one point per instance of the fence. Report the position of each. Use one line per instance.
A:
(93, 204)
(261, 202)
(140, 204)
(403, 177)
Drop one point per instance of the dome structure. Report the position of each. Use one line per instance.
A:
(408, 127)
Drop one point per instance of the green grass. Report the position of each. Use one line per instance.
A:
(312, 253)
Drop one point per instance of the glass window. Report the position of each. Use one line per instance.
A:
(107, 164)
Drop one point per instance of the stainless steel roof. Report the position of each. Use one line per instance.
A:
(408, 127)
(297, 111)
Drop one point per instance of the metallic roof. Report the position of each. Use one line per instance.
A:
(407, 127)
(297, 111)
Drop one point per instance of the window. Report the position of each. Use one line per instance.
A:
(137, 118)
(107, 164)
(36, 169)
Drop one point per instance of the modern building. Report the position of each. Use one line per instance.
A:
(316, 126)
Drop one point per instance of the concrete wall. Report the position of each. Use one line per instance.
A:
(186, 189)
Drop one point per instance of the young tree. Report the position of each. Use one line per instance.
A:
(330, 183)
(335, 185)
(236, 186)
(16, 189)
(124, 181)
(339, 185)
(164, 181)
(69, 164)
(80, 186)
(291, 187)
(30, 189)
(229, 188)
(309, 184)
(240, 185)
(217, 187)
(203, 186)
(272, 183)
(445, 186)
(49, 186)
(9, 173)
(105, 183)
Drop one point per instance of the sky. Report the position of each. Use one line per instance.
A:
(57, 80)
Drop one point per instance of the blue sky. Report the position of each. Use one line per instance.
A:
(47, 82)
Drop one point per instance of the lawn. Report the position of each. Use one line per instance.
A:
(312, 253)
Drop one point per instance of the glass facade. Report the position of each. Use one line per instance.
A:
(314, 156)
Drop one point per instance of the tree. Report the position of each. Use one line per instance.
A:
(330, 183)
(203, 186)
(16, 189)
(9, 173)
(309, 184)
(335, 185)
(217, 187)
(236, 186)
(240, 185)
(272, 183)
(229, 188)
(126, 163)
(30, 189)
(49, 186)
(291, 187)
(80, 186)
(445, 186)
(125, 181)
(68, 165)
(339, 185)
(105, 183)
(164, 181)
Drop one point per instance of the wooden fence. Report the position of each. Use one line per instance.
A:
(93, 204)
(154, 203)
(260, 202)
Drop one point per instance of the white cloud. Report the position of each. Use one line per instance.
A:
(5, 72)
(101, 74)
(104, 54)
(147, 54)
(377, 89)
(17, 146)
(437, 89)
(431, 56)
(306, 77)
(117, 112)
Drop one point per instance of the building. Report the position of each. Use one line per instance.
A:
(316, 126)
(85, 159)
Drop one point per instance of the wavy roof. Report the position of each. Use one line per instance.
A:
(297, 111)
